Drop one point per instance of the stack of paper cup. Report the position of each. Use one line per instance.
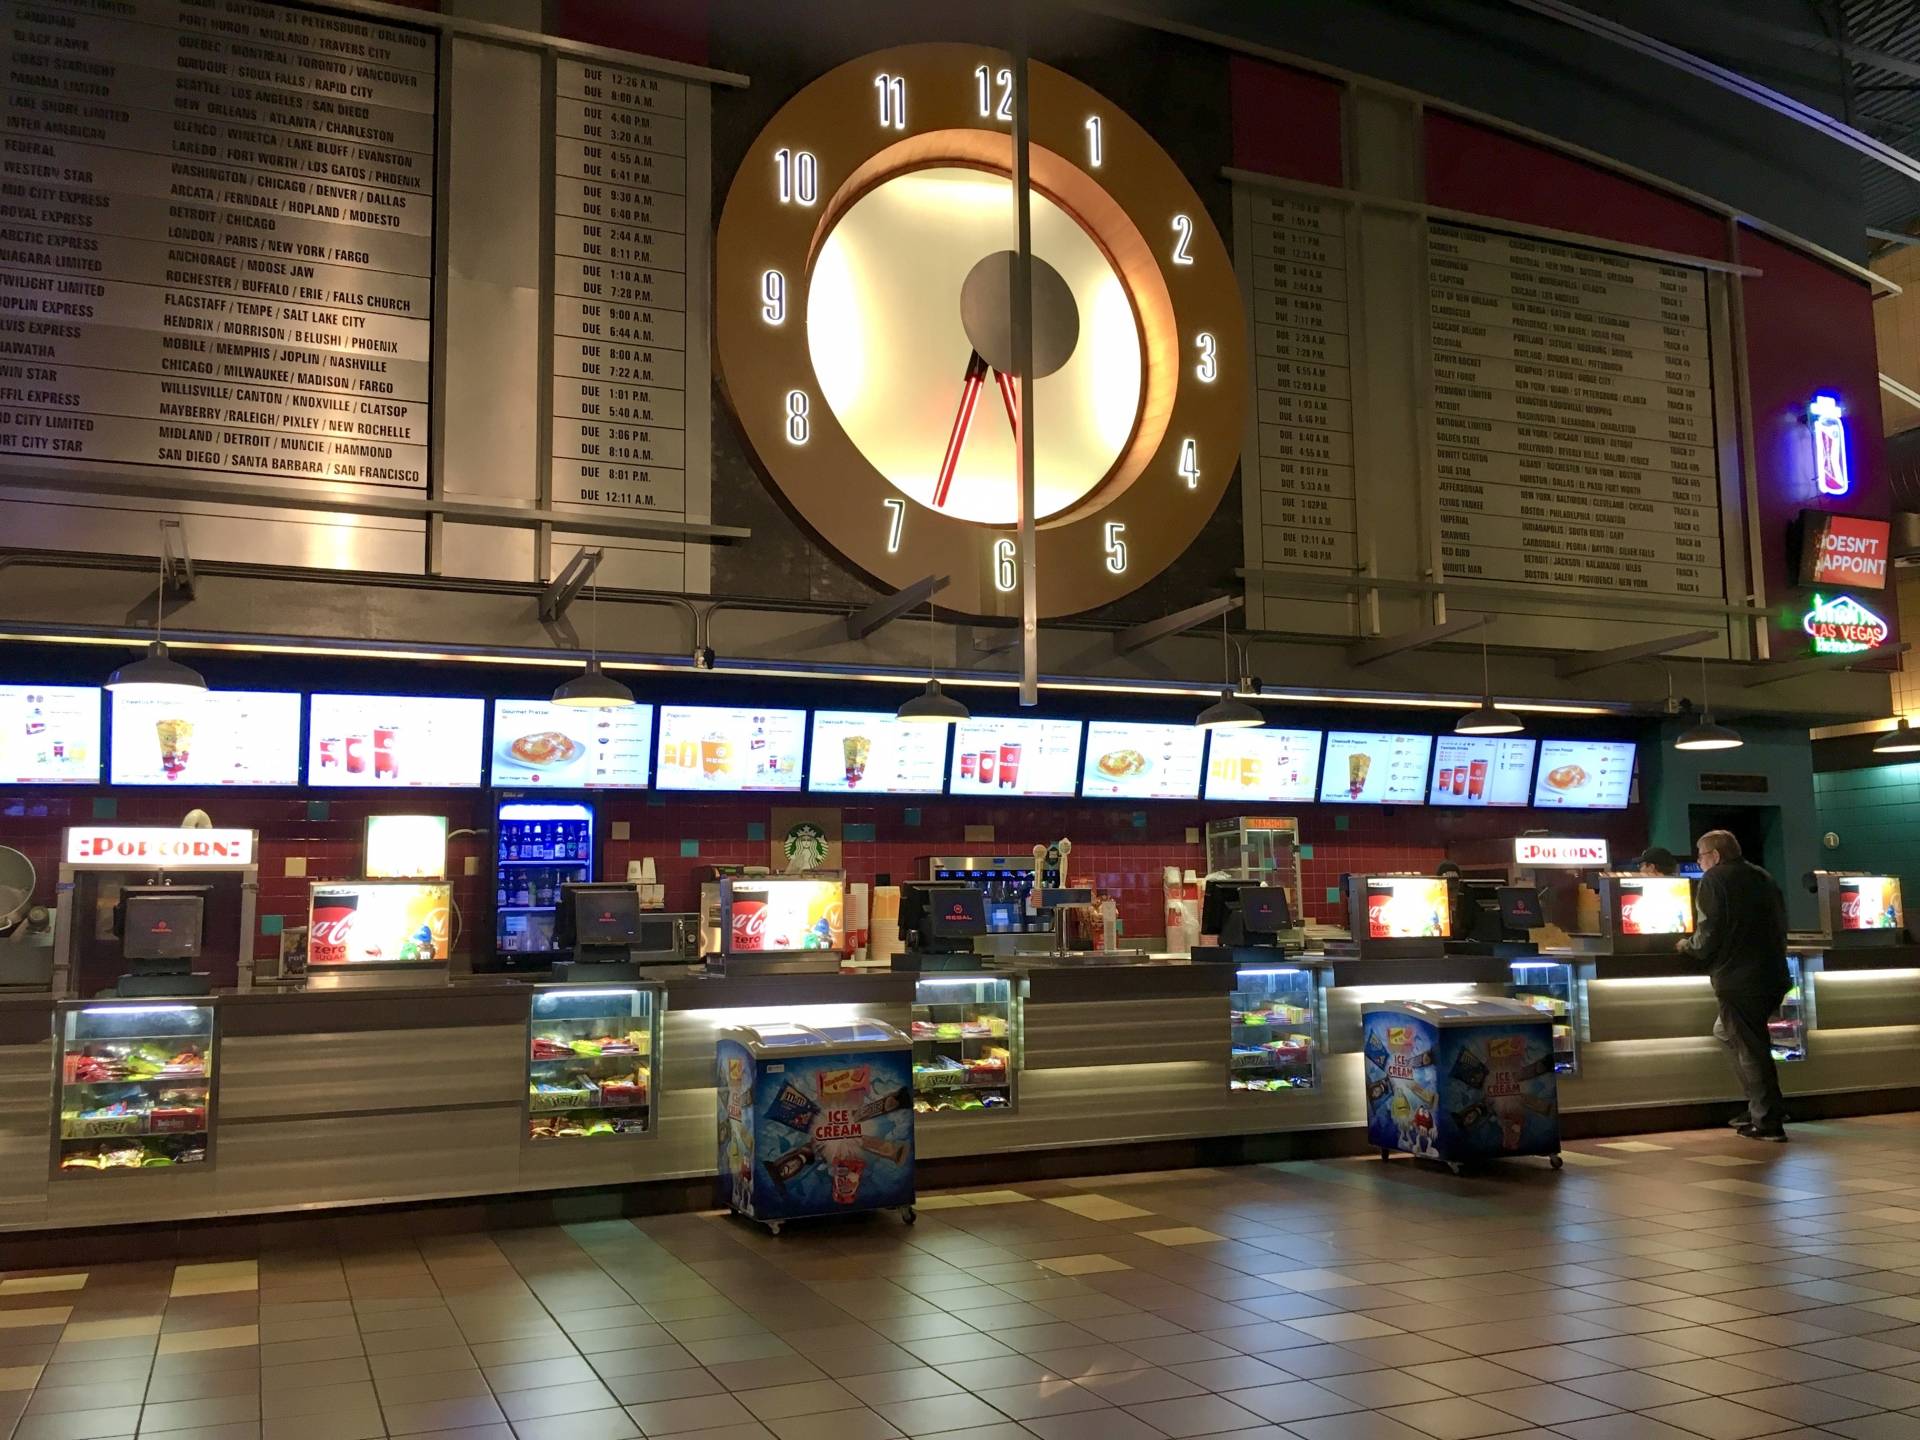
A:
(857, 922)
(883, 925)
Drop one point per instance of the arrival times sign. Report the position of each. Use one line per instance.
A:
(1573, 417)
(216, 239)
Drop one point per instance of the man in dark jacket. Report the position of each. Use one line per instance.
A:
(1741, 934)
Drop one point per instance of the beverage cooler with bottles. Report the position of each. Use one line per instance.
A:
(539, 847)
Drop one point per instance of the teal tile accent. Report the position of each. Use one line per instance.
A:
(319, 809)
(1306, 852)
(911, 816)
(1333, 894)
(756, 830)
(106, 807)
(656, 798)
(1340, 822)
(864, 834)
(1139, 819)
(272, 924)
(690, 849)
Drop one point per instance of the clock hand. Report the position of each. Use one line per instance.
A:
(1010, 396)
(969, 395)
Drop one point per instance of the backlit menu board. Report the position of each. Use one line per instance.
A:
(217, 737)
(403, 742)
(870, 752)
(1481, 770)
(1584, 774)
(1871, 902)
(1367, 769)
(1656, 905)
(222, 218)
(1142, 762)
(49, 734)
(1024, 755)
(1263, 764)
(725, 748)
(565, 747)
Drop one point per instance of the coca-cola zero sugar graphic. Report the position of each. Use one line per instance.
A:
(331, 930)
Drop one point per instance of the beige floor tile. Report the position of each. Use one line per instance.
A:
(1083, 1265)
(226, 1337)
(216, 1279)
(1098, 1207)
(42, 1284)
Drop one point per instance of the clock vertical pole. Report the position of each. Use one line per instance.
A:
(1022, 328)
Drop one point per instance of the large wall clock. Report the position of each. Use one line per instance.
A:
(861, 279)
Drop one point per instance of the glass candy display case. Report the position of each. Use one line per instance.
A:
(591, 1062)
(965, 1050)
(1788, 1027)
(1553, 989)
(1276, 1029)
(135, 1087)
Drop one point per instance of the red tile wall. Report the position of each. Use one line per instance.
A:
(1109, 850)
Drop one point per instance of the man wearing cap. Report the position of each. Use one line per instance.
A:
(1657, 860)
(1741, 934)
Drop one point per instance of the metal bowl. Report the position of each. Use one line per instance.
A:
(16, 887)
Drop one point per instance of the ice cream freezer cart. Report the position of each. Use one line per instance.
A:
(815, 1120)
(1461, 1082)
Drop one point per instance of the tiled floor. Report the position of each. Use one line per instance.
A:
(1691, 1285)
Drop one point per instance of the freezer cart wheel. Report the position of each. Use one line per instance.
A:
(1456, 1167)
(1556, 1162)
(1385, 1154)
(909, 1215)
(773, 1226)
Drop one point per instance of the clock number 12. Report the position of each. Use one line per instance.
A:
(986, 83)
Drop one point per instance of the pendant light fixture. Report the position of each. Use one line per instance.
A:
(1901, 740)
(1486, 718)
(593, 688)
(156, 675)
(1230, 712)
(1706, 734)
(932, 706)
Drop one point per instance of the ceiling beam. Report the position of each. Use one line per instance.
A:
(562, 590)
(1813, 664)
(1138, 637)
(889, 608)
(1568, 666)
(1366, 652)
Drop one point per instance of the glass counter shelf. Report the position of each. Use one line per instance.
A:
(1553, 989)
(1276, 1030)
(592, 1057)
(134, 1089)
(1787, 1028)
(965, 1044)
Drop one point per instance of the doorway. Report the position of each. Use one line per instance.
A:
(1758, 828)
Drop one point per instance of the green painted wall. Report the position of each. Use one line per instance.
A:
(1670, 785)
(1876, 814)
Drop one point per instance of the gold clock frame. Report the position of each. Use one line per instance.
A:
(1127, 205)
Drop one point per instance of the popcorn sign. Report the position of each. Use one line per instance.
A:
(1843, 626)
(160, 847)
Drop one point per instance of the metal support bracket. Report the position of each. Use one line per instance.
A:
(565, 587)
(889, 608)
(1568, 666)
(1813, 664)
(176, 571)
(1138, 637)
(1366, 652)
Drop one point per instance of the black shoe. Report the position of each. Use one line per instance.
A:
(1742, 1120)
(1777, 1135)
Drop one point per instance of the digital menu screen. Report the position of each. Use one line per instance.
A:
(49, 734)
(1584, 774)
(400, 742)
(1128, 761)
(1256, 765)
(536, 742)
(1024, 755)
(870, 752)
(706, 747)
(215, 737)
(1407, 907)
(1363, 769)
(1871, 902)
(1656, 905)
(1481, 770)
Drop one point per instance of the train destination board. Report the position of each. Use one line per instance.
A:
(279, 331)
(1573, 417)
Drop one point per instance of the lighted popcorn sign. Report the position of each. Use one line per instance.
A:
(1843, 626)
(1829, 445)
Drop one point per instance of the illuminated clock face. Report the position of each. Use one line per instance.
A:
(863, 270)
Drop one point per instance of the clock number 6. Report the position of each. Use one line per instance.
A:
(1116, 548)
(896, 522)
(797, 426)
(893, 101)
(1182, 237)
(986, 82)
(1005, 574)
(798, 173)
